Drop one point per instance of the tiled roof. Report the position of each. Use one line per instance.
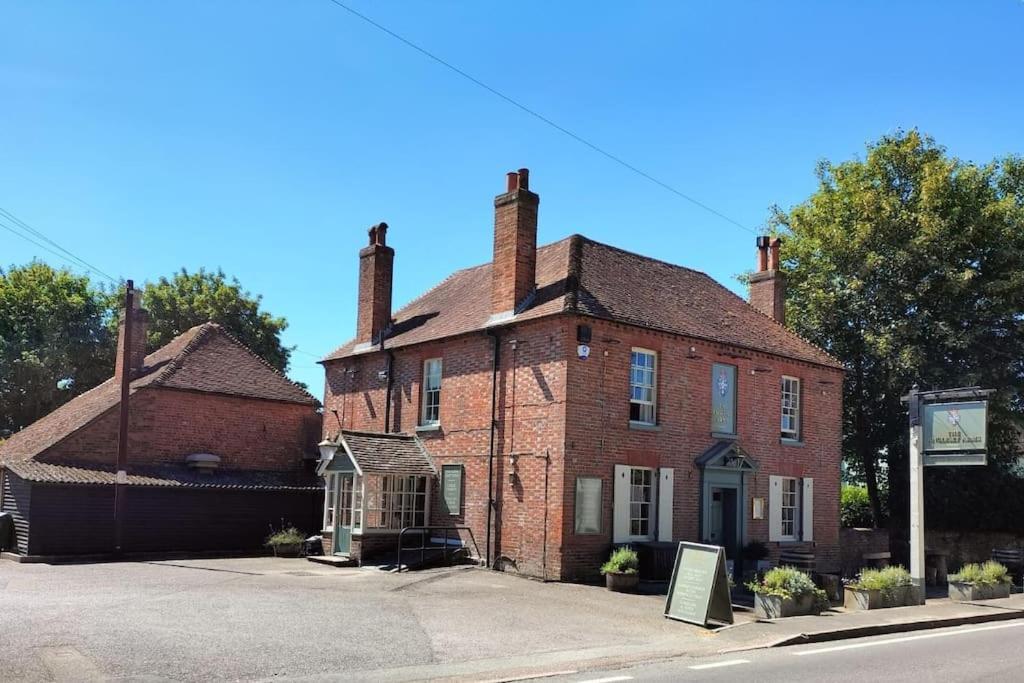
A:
(388, 453)
(168, 476)
(204, 358)
(579, 276)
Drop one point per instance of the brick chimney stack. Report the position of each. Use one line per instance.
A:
(376, 268)
(768, 284)
(137, 343)
(514, 274)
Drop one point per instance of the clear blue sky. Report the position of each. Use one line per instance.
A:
(264, 137)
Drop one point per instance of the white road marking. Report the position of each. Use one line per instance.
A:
(715, 665)
(610, 679)
(904, 639)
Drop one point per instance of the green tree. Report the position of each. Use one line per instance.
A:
(908, 265)
(53, 330)
(189, 299)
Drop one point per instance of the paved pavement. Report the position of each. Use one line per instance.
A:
(262, 618)
(989, 652)
(259, 618)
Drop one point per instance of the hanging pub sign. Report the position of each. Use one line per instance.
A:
(699, 591)
(955, 433)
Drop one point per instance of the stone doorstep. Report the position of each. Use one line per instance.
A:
(333, 560)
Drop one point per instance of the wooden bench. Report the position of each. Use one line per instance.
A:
(1012, 558)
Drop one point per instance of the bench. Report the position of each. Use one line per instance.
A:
(1012, 558)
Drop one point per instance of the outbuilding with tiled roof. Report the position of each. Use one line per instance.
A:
(221, 446)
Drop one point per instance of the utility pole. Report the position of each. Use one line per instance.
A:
(121, 479)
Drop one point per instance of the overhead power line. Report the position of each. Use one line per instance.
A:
(540, 117)
(67, 255)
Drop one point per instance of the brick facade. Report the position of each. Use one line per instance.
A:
(560, 417)
(165, 425)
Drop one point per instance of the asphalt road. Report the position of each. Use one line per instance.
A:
(989, 652)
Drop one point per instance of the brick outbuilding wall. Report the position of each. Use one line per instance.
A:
(168, 424)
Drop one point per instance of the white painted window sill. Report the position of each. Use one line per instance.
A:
(429, 428)
(644, 427)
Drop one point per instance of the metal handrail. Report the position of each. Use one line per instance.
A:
(423, 543)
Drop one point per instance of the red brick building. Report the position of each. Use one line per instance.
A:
(574, 396)
(221, 446)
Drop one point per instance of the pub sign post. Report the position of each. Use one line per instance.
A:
(947, 428)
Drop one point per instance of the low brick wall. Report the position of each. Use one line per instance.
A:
(855, 543)
(961, 547)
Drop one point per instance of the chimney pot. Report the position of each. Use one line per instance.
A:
(382, 231)
(762, 254)
(512, 181)
(524, 179)
(773, 253)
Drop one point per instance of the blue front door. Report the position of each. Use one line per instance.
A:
(343, 516)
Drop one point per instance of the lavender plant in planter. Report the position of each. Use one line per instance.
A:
(286, 542)
(787, 592)
(880, 588)
(986, 581)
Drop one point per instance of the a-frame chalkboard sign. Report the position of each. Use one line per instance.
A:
(699, 591)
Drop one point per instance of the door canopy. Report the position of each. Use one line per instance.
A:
(727, 455)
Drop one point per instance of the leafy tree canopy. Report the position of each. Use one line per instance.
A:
(58, 333)
(189, 299)
(53, 329)
(908, 265)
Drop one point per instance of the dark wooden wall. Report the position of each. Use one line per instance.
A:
(16, 497)
(77, 520)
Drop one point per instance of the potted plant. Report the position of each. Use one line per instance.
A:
(879, 588)
(622, 570)
(980, 582)
(286, 542)
(787, 592)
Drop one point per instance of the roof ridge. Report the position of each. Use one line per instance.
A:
(584, 238)
(776, 322)
(205, 332)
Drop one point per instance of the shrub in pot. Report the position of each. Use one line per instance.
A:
(980, 582)
(622, 570)
(879, 588)
(286, 542)
(787, 592)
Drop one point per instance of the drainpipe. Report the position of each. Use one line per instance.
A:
(495, 364)
(390, 387)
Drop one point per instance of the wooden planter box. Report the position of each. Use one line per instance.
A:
(968, 592)
(860, 599)
(774, 607)
(622, 583)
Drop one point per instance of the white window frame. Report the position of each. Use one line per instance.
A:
(431, 393)
(391, 495)
(330, 501)
(651, 405)
(790, 391)
(790, 500)
(651, 503)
